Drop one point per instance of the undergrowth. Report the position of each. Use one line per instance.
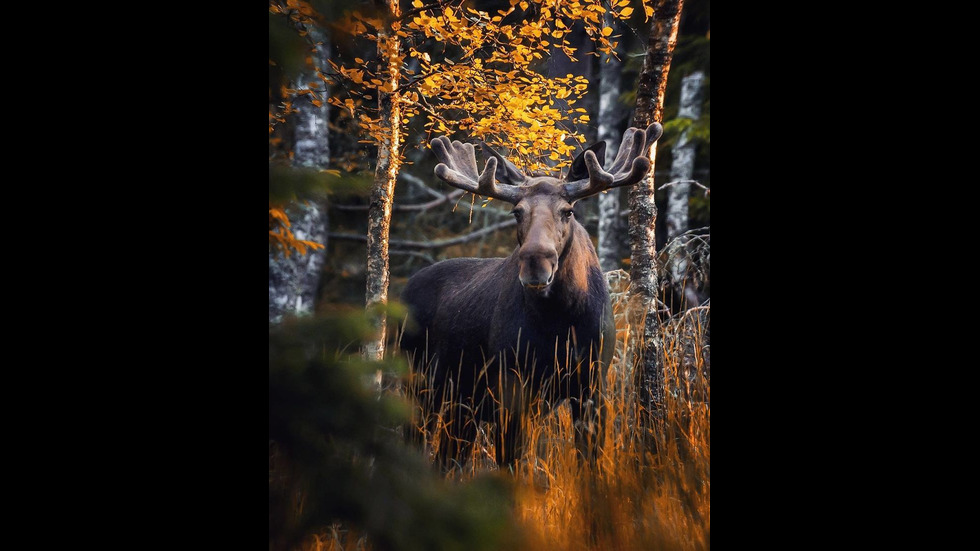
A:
(650, 485)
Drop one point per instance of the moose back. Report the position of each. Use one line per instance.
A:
(489, 336)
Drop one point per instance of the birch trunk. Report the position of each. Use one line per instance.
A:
(643, 209)
(294, 280)
(383, 190)
(682, 168)
(610, 236)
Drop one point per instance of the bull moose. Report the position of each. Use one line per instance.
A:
(487, 335)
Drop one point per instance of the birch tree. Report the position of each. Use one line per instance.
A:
(643, 210)
(681, 172)
(385, 174)
(299, 242)
(610, 69)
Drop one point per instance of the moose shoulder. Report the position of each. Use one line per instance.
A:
(489, 335)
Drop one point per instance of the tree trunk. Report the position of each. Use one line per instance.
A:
(383, 190)
(643, 209)
(294, 280)
(610, 226)
(681, 169)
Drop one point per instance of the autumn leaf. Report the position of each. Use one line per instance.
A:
(488, 89)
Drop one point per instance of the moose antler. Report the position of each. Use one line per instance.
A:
(457, 168)
(630, 166)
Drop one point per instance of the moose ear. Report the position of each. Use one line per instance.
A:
(506, 172)
(579, 171)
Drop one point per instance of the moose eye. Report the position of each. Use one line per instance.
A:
(567, 214)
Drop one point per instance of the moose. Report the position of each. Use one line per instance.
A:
(489, 335)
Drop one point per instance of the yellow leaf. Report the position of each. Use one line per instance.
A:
(523, 5)
(279, 214)
(606, 31)
(626, 12)
(649, 11)
(623, 3)
(418, 3)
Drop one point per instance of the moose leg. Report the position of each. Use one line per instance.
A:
(587, 419)
(588, 409)
(456, 439)
(509, 438)
(509, 416)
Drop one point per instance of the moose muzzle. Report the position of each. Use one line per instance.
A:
(538, 267)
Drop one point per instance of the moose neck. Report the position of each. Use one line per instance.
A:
(570, 290)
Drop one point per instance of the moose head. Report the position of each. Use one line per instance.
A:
(542, 204)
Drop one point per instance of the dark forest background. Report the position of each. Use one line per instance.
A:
(342, 276)
(339, 475)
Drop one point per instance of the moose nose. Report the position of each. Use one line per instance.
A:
(538, 267)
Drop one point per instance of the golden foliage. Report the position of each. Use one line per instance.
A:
(484, 85)
(281, 236)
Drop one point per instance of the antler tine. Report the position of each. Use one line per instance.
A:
(629, 167)
(457, 168)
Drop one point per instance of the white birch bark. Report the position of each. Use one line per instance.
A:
(293, 280)
(682, 168)
(383, 194)
(611, 236)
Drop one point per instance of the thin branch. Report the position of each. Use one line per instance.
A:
(431, 244)
(693, 230)
(669, 252)
(411, 13)
(419, 183)
(707, 190)
(423, 256)
(706, 305)
(412, 207)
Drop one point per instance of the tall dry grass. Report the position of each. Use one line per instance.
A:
(650, 488)
(650, 485)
